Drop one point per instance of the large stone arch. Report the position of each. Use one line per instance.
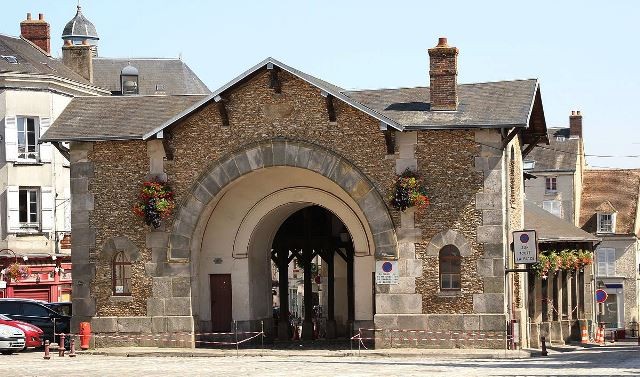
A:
(280, 152)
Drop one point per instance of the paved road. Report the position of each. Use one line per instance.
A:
(620, 360)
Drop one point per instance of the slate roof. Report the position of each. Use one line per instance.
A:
(115, 117)
(559, 155)
(491, 104)
(32, 60)
(620, 188)
(550, 228)
(173, 75)
(79, 27)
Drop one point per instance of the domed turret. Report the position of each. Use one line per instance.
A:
(80, 31)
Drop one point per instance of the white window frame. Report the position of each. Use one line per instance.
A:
(606, 226)
(554, 207)
(606, 261)
(30, 225)
(28, 156)
(551, 184)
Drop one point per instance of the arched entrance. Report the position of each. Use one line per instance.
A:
(262, 211)
(317, 243)
(225, 228)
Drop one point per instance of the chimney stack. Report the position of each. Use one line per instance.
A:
(78, 58)
(37, 31)
(443, 73)
(575, 125)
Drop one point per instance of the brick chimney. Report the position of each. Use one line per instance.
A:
(443, 72)
(78, 58)
(575, 125)
(37, 31)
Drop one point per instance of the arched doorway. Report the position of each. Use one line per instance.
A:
(320, 248)
(253, 215)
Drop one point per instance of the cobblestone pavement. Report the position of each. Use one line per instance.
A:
(620, 360)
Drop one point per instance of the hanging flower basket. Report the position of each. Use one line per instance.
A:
(409, 192)
(550, 262)
(16, 272)
(155, 202)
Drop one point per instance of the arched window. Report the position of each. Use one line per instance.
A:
(121, 275)
(450, 262)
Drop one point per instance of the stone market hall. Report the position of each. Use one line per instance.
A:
(278, 167)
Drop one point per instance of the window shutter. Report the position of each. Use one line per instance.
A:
(13, 209)
(45, 148)
(611, 262)
(11, 139)
(46, 208)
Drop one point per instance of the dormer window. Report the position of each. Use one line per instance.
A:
(129, 80)
(10, 59)
(528, 164)
(606, 222)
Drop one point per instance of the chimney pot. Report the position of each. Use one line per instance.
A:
(41, 16)
(573, 112)
(442, 42)
(579, 112)
(28, 16)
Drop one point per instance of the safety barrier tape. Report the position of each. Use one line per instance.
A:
(164, 339)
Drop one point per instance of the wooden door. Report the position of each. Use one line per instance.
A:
(220, 285)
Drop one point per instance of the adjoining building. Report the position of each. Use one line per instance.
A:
(279, 165)
(35, 88)
(558, 169)
(610, 211)
(35, 197)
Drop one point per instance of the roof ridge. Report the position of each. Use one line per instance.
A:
(107, 58)
(427, 87)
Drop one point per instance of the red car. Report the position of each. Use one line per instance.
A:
(32, 334)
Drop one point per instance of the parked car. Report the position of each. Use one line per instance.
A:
(11, 339)
(37, 314)
(33, 334)
(63, 307)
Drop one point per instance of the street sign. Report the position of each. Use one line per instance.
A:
(387, 272)
(601, 295)
(525, 246)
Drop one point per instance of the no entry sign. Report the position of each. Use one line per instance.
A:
(601, 295)
(525, 246)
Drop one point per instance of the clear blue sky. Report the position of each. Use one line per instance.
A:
(585, 53)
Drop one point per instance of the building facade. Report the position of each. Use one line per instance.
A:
(610, 211)
(278, 165)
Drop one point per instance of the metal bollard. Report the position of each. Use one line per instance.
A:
(46, 350)
(61, 345)
(544, 347)
(72, 351)
(613, 336)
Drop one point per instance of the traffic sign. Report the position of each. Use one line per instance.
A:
(601, 295)
(525, 246)
(387, 272)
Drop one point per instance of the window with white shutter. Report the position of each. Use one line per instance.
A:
(45, 148)
(48, 204)
(11, 138)
(606, 258)
(13, 209)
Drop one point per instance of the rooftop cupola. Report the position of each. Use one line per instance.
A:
(80, 31)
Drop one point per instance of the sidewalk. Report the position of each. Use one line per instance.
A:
(390, 352)
(393, 352)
